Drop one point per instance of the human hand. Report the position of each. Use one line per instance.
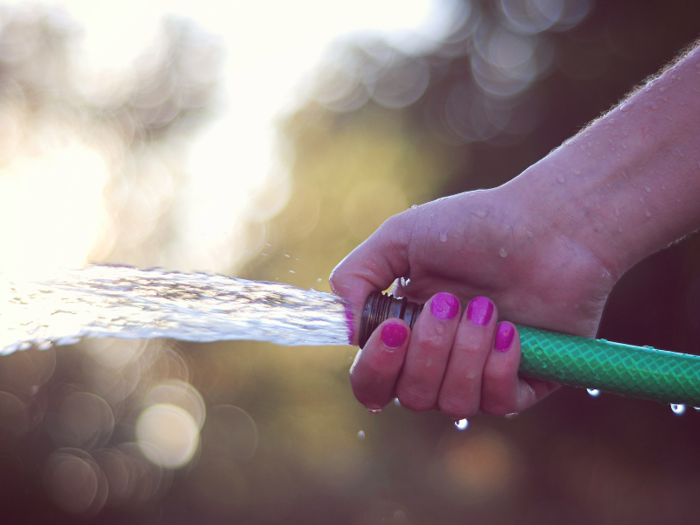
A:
(491, 243)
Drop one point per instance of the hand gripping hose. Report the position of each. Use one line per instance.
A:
(632, 371)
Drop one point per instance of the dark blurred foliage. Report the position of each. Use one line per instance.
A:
(282, 439)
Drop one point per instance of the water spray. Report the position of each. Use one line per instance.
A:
(627, 370)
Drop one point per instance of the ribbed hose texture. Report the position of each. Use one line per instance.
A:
(632, 371)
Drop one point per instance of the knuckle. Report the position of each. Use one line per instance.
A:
(416, 399)
(428, 342)
(457, 407)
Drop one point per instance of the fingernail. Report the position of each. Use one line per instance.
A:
(504, 336)
(444, 306)
(393, 334)
(480, 310)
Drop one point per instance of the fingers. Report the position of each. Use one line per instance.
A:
(377, 366)
(460, 394)
(460, 365)
(428, 353)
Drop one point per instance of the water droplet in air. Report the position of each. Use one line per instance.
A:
(292, 271)
(319, 280)
(361, 434)
(593, 392)
(374, 410)
(561, 178)
(443, 236)
(397, 402)
(678, 409)
(462, 424)
(503, 252)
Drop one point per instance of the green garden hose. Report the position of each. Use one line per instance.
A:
(632, 371)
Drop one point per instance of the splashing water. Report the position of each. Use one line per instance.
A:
(593, 392)
(678, 409)
(462, 424)
(125, 302)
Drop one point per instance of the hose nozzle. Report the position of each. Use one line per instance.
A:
(380, 307)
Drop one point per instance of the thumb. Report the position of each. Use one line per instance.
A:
(373, 266)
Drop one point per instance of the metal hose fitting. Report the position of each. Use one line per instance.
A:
(380, 307)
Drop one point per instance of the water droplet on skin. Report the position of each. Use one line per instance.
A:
(620, 230)
(617, 211)
(662, 99)
(397, 402)
(529, 234)
(462, 424)
(623, 145)
(678, 409)
(647, 189)
(669, 118)
(611, 122)
(588, 154)
(511, 415)
(374, 410)
(482, 213)
(678, 200)
(576, 172)
(641, 199)
(651, 105)
(593, 392)
(624, 133)
(414, 206)
(663, 186)
(561, 179)
(428, 363)
(583, 148)
(361, 434)
(443, 236)
(662, 89)
(625, 175)
(503, 253)
(626, 106)
(647, 213)
(590, 144)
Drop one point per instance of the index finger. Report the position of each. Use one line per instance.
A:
(372, 266)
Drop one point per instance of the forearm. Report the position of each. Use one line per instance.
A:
(629, 184)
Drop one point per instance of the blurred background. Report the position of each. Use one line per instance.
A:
(266, 140)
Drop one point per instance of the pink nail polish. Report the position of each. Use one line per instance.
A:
(444, 306)
(394, 334)
(480, 310)
(504, 337)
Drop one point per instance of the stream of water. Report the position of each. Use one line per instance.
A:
(125, 302)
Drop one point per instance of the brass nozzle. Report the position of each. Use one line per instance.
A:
(379, 307)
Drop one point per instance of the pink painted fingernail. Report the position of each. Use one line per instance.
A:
(393, 334)
(444, 306)
(480, 310)
(504, 336)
